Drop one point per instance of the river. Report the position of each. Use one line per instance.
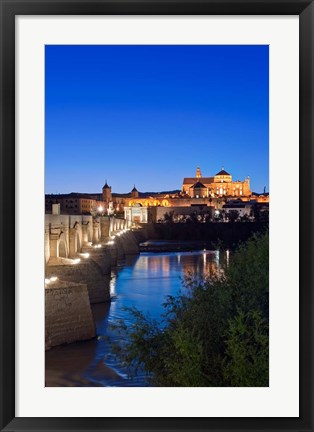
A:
(143, 281)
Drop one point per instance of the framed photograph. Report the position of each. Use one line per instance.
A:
(156, 215)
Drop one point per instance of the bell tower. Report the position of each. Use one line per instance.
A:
(198, 173)
(106, 193)
(134, 192)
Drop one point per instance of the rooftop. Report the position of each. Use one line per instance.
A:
(198, 185)
(223, 173)
(193, 180)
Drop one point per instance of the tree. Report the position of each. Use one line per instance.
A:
(247, 350)
(260, 214)
(255, 212)
(193, 218)
(244, 218)
(169, 217)
(208, 217)
(222, 215)
(233, 215)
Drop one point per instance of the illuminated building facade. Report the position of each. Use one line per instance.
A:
(74, 203)
(219, 185)
(197, 194)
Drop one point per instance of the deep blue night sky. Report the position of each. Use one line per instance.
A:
(149, 115)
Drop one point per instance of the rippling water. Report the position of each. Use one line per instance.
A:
(143, 281)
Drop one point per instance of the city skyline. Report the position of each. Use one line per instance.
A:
(149, 115)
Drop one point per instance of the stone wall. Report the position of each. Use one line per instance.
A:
(129, 243)
(68, 315)
(86, 272)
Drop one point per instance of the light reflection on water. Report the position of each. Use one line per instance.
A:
(143, 281)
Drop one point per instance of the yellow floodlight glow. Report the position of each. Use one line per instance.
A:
(84, 255)
(76, 261)
(47, 281)
(53, 278)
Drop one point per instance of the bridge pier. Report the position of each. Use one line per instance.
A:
(85, 238)
(96, 231)
(68, 315)
(105, 227)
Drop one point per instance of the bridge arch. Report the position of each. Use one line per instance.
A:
(62, 249)
(62, 246)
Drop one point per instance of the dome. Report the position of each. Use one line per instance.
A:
(223, 173)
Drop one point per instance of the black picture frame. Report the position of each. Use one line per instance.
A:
(9, 10)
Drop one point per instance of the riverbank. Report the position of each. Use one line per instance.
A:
(173, 246)
(214, 234)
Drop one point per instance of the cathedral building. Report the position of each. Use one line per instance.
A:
(217, 186)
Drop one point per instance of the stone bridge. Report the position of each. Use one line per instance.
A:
(66, 235)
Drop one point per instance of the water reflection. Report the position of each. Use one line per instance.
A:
(142, 281)
(112, 284)
(171, 264)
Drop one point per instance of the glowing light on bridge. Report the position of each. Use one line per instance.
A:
(51, 279)
(84, 255)
(76, 261)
